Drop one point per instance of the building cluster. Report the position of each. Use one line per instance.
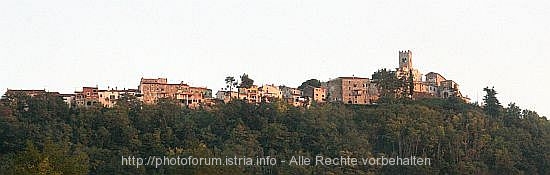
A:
(434, 85)
(149, 92)
(268, 93)
(349, 90)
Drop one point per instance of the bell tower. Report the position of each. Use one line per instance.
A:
(405, 59)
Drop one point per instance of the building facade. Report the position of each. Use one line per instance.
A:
(269, 92)
(250, 94)
(292, 95)
(317, 94)
(109, 97)
(154, 89)
(349, 90)
(434, 85)
(87, 97)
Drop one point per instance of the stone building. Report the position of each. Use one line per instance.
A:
(349, 90)
(439, 86)
(406, 68)
(109, 97)
(317, 94)
(154, 89)
(251, 94)
(292, 95)
(226, 96)
(434, 85)
(269, 92)
(198, 96)
(87, 97)
(434, 79)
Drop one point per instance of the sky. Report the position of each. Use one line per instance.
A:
(62, 45)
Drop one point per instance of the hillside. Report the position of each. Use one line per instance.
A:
(41, 134)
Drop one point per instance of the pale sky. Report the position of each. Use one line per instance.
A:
(64, 45)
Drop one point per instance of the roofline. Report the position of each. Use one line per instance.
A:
(352, 78)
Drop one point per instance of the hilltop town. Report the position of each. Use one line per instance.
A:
(347, 90)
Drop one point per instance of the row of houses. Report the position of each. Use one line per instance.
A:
(149, 92)
(270, 92)
(349, 90)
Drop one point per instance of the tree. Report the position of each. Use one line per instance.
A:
(246, 82)
(310, 82)
(458, 137)
(410, 83)
(492, 106)
(231, 82)
(388, 83)
(51, 159)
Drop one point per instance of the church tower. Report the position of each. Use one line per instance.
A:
(405, 60)
(406, 68)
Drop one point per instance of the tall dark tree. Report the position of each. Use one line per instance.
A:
(410, 83)
(458, 137)
(246, 82)
(388, 84)
(230, 82)
(492, 106)
(310, 82)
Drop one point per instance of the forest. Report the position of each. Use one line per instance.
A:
(42, 135)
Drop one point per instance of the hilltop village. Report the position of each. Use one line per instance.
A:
(348, 90)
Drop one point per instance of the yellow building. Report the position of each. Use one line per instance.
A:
(292, 96)
(108, 98)
(250, 94)
(317, 94)
(269, 92)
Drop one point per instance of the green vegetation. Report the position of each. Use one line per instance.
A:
(246, 82)
(230, 82)
(390, 86)
(41, 135)
(310, 82)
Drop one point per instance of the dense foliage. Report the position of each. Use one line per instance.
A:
(390, 86)
(246, 82)
(310, 82)
(42, 135)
